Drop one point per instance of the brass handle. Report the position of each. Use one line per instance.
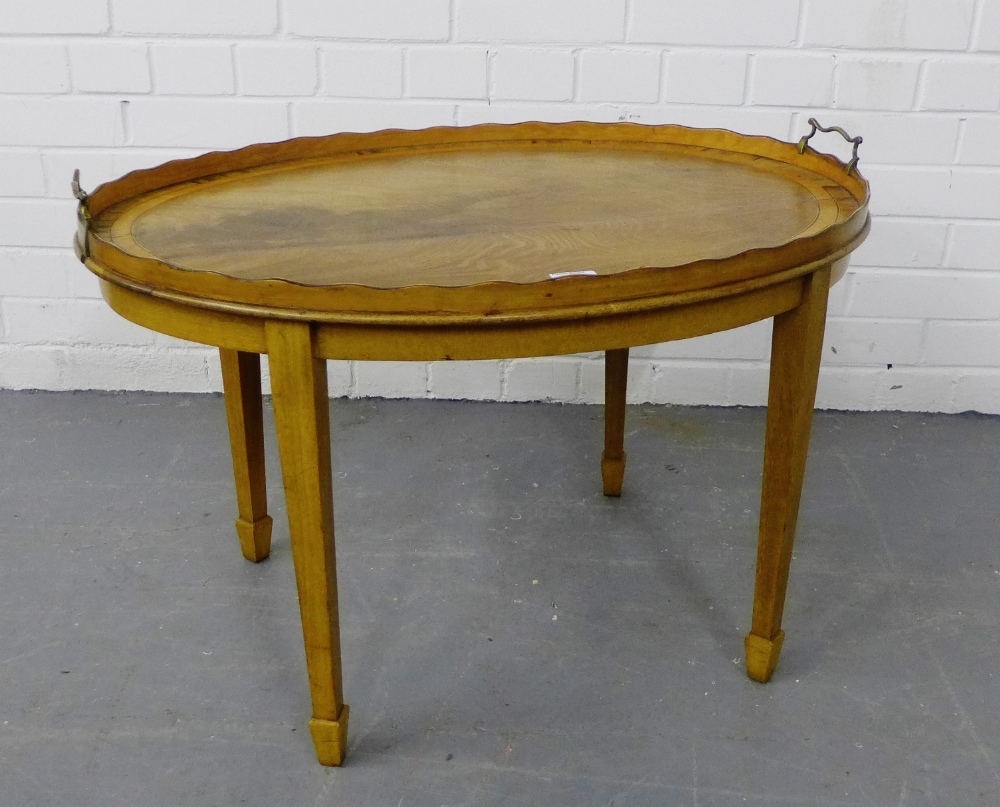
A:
(75, 185)
(80, 246)
(83, 212)
(816, 127)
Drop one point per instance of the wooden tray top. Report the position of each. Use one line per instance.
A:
(479, 220)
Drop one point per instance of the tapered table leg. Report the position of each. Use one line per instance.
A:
(795, 356)
(615, 384)
(302, 416)
(244, 411)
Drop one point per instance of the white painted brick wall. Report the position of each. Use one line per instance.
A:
(193, 69)
(421, 20)
(323, 117)
(472, 380)
(574, 21)
(55, 17)
(391, 379)
(987, 36)
(112, 85)
(205, 123)
(697, 77)
(107, 66)
(364, 72)
(962, 84)
(554, 379)
(70, 121)
(533, 74)
(792, 79)
(33, 222)
(38, 68)
(975, 246)
(193, 17)
(715, 22)
(277, 69)
(876, 83)
(446, 72)
(979, 141)
(21, 173)
(619, 75)
(889, 24)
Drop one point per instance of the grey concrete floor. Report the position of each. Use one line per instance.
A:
(511, 637)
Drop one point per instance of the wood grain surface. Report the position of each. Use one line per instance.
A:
(458, 218)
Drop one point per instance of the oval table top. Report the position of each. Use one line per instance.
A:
(444, 220)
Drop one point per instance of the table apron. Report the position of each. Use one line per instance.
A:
(206, 326)
(555, 337)
(490, 340)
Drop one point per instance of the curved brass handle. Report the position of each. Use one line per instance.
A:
(82, 217)
(81, 195)
(78, 192)
(816, 127)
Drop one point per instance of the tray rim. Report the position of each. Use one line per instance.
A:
(496, 298)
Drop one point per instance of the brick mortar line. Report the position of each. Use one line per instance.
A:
(850, 53)
(977, 23)
(319, 96)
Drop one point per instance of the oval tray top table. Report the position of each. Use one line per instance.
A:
(488, 242)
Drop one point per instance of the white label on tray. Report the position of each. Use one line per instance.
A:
(578, 273)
